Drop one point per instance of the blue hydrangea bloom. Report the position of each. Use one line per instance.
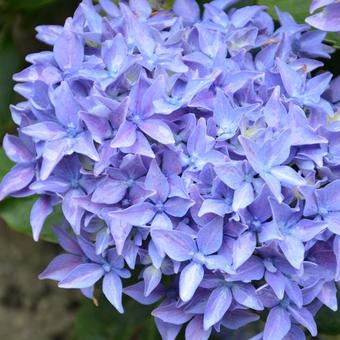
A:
(201, 150)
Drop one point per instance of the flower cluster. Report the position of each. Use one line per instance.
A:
(201, 153)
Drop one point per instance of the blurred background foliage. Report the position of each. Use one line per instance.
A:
(18, 18)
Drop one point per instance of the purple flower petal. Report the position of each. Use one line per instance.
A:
(171, 313)
(276, 282)
(190, 278)
(178, 206)
(16, 149)
(66, 107)
(41, 209)
(137, 215)
(177, 245)
(209, 238)
(243, 248)
(157, 182)
(194, 330)
(218, 303)
(158, 130)
(245, 294)
(305, 318)
(60, 267)
(125, 137)
(152, 277)
(293, 250)
(277, 325)
(112, 289)
(187, 9)
(18, 178)
(68, 50)
(45, 131)
(83, 276)
(109, 192)
(327, 20)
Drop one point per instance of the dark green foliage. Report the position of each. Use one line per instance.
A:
(104, 322)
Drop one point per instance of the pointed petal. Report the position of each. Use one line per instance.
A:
(245, 294)
(83, 144)
(304, 317)
(273, 184)
(114, 53)
(152, 277)
(276, 282)
(209, 238)
(109, 191)
(136, 292)
(167, 330)
(243, 196)
(178, 245)
(195, 330)
(177, 206)
(213, 206)
(54, 151)
(218, 303)
(141, 8)
(189, 280)
(157, 182)
(112, 289)
(137, 215)
(329, 196)
(83, 276)
(170, 313)
(162, 221)
(231, 174)
(125, 137)
(72, 211)
(16, 149)
(60, 267)
(277, 325)
(294, 251)
(68, 50)
(291, 79)
(48, 130)
(327, 295)
(326, 20)
(140, 147)
(67, 242)
(243, 248)
(19, 177)
(306, 230)
(66, 107)
(41, 209)
(287, 175)
(293, 291)
(187, 9)
(158, 130)
(251, 149)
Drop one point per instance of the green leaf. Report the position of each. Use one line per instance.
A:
(168, 4)
(26, 4)
(298, 9)
(104, 322)
(16, 213)
(10, 62)
(334, 39)
(328, 321)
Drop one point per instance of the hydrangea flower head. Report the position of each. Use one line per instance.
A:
(201, 151)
